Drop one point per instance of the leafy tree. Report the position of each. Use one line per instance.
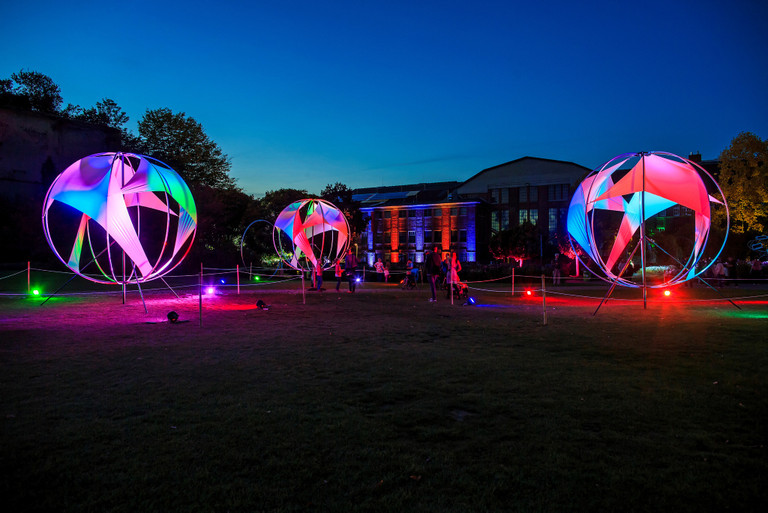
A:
(341, 196)
(106, 112)
(41, 91)
(222, 214)
(518, 242)
(181, 142)
(274, 202)
(744, 180)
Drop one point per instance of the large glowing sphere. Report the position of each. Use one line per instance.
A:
(311, 234)
(119, 218)
(664, 199)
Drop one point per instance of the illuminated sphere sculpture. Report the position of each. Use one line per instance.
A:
(311, 234)
(616, 210)
(129, 217)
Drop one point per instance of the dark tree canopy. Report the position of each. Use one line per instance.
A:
(40, 90)
(274, 202)
(744, 180)
(180, 141)
(519, 242)
(106, 112)
(341, 196)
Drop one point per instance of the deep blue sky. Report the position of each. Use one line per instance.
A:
(306, 93)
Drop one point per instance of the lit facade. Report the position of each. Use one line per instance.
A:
(407, 220)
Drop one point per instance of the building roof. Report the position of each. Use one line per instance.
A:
(403, 195)
(524, 171)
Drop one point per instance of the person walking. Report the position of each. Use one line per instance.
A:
(350, 264)
(432, 266)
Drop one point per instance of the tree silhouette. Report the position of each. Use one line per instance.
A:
(180, 141)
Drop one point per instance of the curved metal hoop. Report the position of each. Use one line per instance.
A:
(592, 192)
(109, 190)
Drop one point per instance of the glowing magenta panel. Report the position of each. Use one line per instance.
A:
(609, 207)
(113, 207)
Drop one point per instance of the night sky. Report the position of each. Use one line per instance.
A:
(304, 93)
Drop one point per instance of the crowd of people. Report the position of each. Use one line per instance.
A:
(441, 271)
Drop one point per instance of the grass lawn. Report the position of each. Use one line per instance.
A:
(382, 401)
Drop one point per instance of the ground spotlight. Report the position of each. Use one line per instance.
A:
(210, 291)
(222, 281)
(470, 301)
(357, 280)
(667, 293)
(256, 278)
(528, 292)
(173, 317)
(35, 292)
(262, 305)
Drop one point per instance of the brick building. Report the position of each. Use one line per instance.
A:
(407, 220)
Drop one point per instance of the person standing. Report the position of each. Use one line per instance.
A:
(379, 266)
(350, 264)
(556, 271)
(338, 272)
(454, 266)
(433, 271)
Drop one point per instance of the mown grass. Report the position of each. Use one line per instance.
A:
(383, 402)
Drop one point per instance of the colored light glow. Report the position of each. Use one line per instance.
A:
(641, 186)
(222, 281)
(528, 293)
(210, 291)
(35, 292)
(667, 293)
(257, 278)
(357, 280)
(119, 199)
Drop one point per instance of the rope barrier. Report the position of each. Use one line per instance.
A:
(294, 277)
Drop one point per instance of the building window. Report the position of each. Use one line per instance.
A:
(462, 211)
(438, 237)
(558, 191)
(427, 236)
(500, 220)
(411, 237)
(530, 215)
(411, 213)
(402, 214)
(387, 214)
(504, 221)
(386, 239)
(437, 212)
(454, 211)
(454, 236)
(427, 212)
(529, 194)
(377, 214)
(495, 195)
(463, 236)
(505, 196)
(552, 222)
(401, 238)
